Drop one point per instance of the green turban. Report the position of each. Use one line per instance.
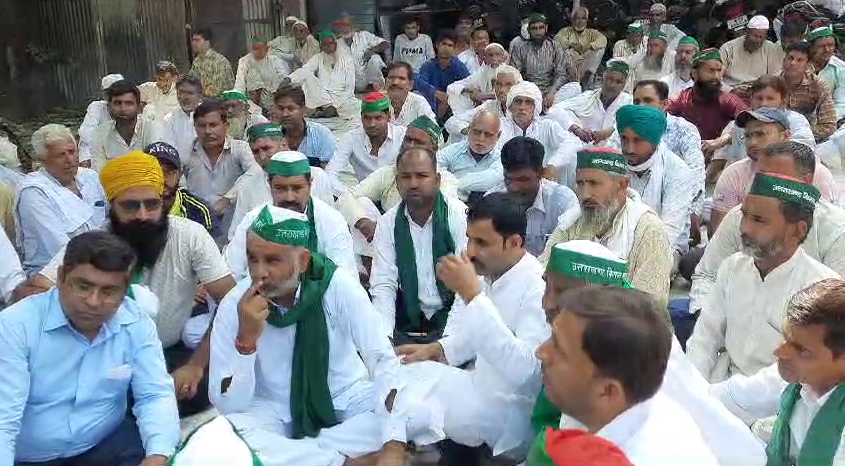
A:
(282, 226)
(264, 130)
(619, 65)
(537, 18)
(429, 127)
(602, 158)
(648, 122)
(588, 261)
(325, 34)
(689, 40)
(234, 95)
(659, 35)
(819, 33)
(375, 102)
(706, 54)
(785, 189)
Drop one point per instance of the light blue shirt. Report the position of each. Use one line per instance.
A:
(318, 143)
(61, 395)
(834, 76)
(473, 175)
(551, 202)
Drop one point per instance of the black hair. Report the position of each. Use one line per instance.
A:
(523, 152)
(660, 87)
(122, 87)
(504, 210)
(205, 33)
(800, 47)
(626, 336)
(191, 81)
(295, 94)
(400, 64)
(822, 303)
(481, 29)
(102, 250)
(412, 20)
(447, 34)
(793, 28)
(802, 155)
(208, 106)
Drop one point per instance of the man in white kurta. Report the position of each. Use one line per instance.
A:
(328, 80)
(271, 69)
(11, 271)
(477, 88)
(405, 105)
(364, 48)
(748, 57)
(591, 115)
(524, 103)
(664, 181)
(631, 44)
(296, 48)
(506, 77)
(681, 77)
(96, 114)
(655, 62)
(498, 321)
(257, 368)
(288, 175)
(59, 201)
(179, 124)
(160, 95)
(741, 323)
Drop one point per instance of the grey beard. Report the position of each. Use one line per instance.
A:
(600, 218)
(684, 69)
(652, 62)
(758, 251)
(288, 285)
(237, 126)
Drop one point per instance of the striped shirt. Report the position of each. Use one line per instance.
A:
(193, 208)
(548, 66)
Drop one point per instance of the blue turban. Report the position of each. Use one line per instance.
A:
(648, 122)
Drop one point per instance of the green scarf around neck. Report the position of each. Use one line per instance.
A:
(311, 404)
(312, 238)
(442, 245)
(544, 415)
(822, 439)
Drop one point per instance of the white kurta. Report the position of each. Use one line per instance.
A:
(329, 80)
(741, 66)
(481, 80)
(161, 103)
(354, 153)
(501, 328)
(271, 71)
(96, 114)
(109, 144)
(639, 71)
(456, 124)
(414, 106)
(362, 370)
(656, 432)
(180, 132)
(384, 278)
(587, 111)
(368, 72)
(11, 272)
(676, 84)
(333, 240)
(560, 145)
(744, 314)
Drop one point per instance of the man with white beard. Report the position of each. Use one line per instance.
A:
(505, 78)
(477, 88)
(681, 78)
(657, 62)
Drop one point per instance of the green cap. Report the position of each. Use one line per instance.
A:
(234, 95)
(706, 54)
(288, 163)
(603, 158)
(537, 18)
(648, 122)
(589, 261)
(375, 102)
(325, 34)
(282, 226)
(264, 130)
(429, 127)
(658, 35)
(618, 65)
(636, 27)
(786, 189)
(260, 38)
(689, 40)
(819, 33)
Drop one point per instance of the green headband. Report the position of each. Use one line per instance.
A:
(786, 189)
(818, 33)
(689, 40)
(592, 269)
(658, 35)
(296, 168)
(620, 66)
(425, 124)
(234, 95)
(605, 159)
(537, 18)
(325, 34)
(264, 130)
(292, 232)
(375, 102)
(706, 54)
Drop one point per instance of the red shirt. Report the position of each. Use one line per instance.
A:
(709, 118)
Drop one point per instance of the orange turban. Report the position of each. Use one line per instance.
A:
(132, 170)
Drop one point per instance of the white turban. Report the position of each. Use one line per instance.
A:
(527, 89)
(507, 69)
(758, 22)
(495, 45)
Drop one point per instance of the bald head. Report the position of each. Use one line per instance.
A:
(484, 132)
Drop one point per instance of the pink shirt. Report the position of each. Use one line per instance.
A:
(735, 181)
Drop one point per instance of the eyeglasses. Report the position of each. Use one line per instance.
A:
(109, 295)
(132, 206)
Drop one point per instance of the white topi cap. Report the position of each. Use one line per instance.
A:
(110, 79)
(758, 22)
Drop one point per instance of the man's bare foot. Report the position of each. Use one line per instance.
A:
(392, 454)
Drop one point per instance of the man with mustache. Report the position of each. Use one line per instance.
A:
(546, 200)
(179, 123)
(409, 240)
(804, 391)
(407, 106)
(632, 43)
(327, 80)
(705, 104)
(309, 137)
(474, 57)
(499, 322)
(615, 217)
(301, 367)
(173, 255)
(239, 114)
(748, 57)
(127, 129)
(657, 61)
(476, 161)
(365, 48)
(681, 78)
(741, 323)
(586, 45)
(827, 66)
(160, 94)
(664, 181)
(506, 77)
(825, 240)
(477, 88)
(290, 180)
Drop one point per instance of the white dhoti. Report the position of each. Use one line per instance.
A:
(590, 61)
(567, 91)
(459, 410)
(317, 95)
(459, 102)
(370, 73)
